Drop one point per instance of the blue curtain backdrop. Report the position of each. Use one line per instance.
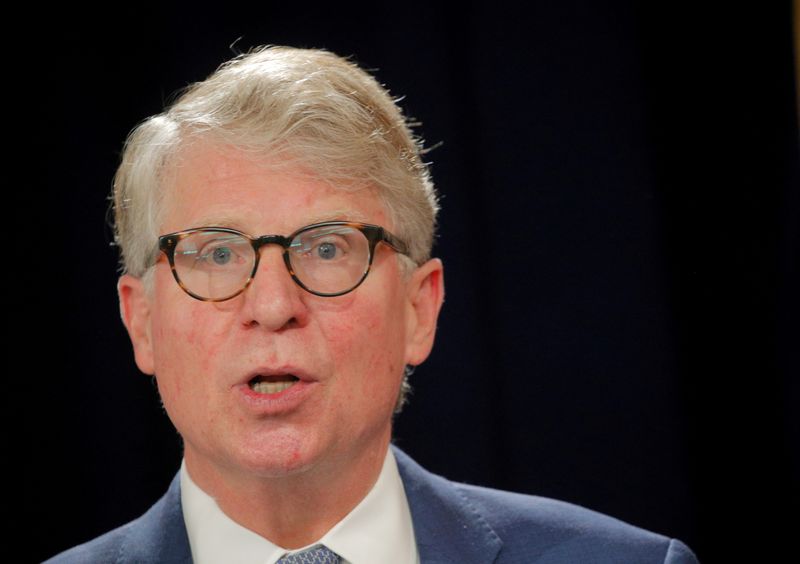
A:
(620, 194)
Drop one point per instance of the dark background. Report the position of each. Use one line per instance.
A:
(620, 196)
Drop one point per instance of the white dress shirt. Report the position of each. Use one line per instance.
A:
(378, 529)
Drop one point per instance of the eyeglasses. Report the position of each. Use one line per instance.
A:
(214, 264)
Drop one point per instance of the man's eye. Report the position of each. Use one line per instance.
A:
(218, 255)
(221, 255)
(327, 251)
(331, 249)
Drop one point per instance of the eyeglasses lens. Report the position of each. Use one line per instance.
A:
(326, 260)
(330, 259)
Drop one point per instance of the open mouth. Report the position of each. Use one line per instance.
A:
(272, 384)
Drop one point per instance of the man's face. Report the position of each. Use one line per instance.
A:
(345, 354)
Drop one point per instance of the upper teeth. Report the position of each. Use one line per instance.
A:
(263, 387)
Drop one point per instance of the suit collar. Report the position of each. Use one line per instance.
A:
(160, 534)
(448, 528)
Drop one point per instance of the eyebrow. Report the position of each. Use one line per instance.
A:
(338, 215)
(225, 220)
(218, 220)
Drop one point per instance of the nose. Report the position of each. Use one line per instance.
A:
(272, 300)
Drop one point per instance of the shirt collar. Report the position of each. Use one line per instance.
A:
(378, 529)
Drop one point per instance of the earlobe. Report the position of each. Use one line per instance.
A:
(134, 306)
(425, 298)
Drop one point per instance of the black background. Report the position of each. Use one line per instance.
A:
(620, 196)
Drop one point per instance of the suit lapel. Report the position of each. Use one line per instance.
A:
(447, 527)
(160, 534)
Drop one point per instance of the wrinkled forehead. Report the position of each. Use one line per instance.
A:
(207, 183)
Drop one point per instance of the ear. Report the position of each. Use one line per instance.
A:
(134, 306)
(425, 297)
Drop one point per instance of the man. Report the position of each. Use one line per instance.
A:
(275, 226)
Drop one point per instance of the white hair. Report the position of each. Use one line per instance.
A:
(300, 105)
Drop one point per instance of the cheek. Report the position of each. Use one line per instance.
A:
(183, 347)
(368, 351)
(202, 339)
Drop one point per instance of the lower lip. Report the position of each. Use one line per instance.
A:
(273, 404)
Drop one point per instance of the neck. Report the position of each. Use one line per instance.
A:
(295, 510)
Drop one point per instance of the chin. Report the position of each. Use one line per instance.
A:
(277, 459)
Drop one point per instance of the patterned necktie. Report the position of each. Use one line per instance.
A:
(318, 554)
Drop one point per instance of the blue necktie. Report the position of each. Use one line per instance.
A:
(318, 554)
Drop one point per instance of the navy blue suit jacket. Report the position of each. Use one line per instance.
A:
(453, 523)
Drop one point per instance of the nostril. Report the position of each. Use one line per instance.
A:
(291, 323)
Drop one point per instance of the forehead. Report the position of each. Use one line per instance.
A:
(212, 184)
